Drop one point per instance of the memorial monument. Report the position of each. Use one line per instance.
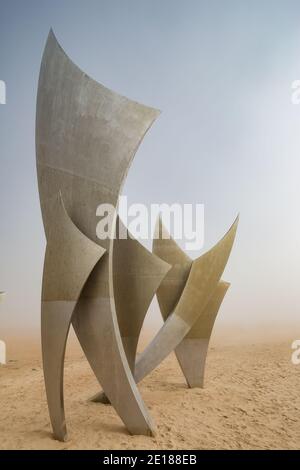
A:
(86, 138)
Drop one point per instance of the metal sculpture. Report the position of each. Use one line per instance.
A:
(191, 352)
(189, 297)
(86, 138)
(200, 284)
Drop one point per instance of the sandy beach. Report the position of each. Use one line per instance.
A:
(251, 400)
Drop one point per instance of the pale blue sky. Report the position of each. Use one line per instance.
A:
(228, 136)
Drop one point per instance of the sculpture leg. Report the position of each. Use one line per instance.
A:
(136, 275)
(166, 340)
(129, 345)
(191, 354)
(95, 323)
(95, 328)
(56, 319)
(70, 257)
(192, 351)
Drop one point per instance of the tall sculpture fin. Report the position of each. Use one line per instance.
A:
(170, 290)
(86, 138)
(70, 257)
(192, 351)
(137, 274)
(96, 325)
(202, 281)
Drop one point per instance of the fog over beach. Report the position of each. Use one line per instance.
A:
(223, 74)
(227, 137)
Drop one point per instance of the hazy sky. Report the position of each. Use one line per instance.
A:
(228, 136)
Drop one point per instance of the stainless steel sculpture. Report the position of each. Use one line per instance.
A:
(201, 283)
(191, 352)
(86, 138)
(137, 275)
(189, 298)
